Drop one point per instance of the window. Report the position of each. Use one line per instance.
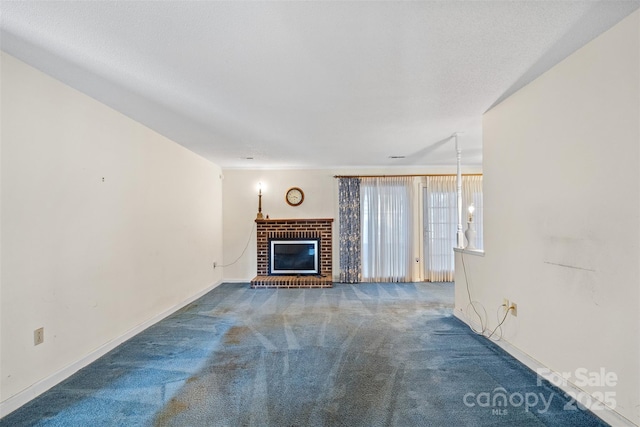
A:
(380, 229)
(441, 222)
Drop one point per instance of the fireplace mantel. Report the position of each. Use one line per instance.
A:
(320, 228)
(294, 220)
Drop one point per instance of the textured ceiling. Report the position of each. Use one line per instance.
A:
(305, 84)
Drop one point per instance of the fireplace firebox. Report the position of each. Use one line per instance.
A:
(294, 256)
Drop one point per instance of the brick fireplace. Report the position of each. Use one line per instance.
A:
(315, 228)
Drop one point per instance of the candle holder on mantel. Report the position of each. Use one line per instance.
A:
(260, 216)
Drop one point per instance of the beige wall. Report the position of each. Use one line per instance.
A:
(105, 224)
(240, 206)
(562, 215)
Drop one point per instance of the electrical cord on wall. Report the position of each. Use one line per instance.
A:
(472, 304)
(506, 313)
(245, 248)
(468, 316)
(482, 326)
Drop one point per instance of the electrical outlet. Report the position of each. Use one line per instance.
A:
(505, 304)
(215, 264)
(38, 336)
(514, 309)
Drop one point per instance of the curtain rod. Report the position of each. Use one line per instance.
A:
(403, 176)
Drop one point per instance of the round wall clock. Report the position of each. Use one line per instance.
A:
(294, 196)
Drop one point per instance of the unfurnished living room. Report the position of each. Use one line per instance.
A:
(320, 213)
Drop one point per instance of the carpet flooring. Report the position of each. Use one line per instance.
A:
(368, 354)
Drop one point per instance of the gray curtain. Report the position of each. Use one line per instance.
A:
(350, 246)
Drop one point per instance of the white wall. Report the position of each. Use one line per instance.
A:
(240, 201)
(105, 225)
(562, 215)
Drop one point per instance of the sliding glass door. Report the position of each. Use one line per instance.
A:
(387, 229)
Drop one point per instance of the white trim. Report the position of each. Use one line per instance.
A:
(476, 252)
(33, 391)
(608, 415)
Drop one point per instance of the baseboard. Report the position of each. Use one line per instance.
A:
(608, 415)
(30, 393)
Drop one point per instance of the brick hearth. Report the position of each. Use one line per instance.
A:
(315, 228)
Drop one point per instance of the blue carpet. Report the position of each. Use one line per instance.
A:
(354, 355)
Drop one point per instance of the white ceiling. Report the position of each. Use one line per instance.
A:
(305, 84)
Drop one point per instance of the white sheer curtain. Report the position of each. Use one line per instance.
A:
(441, 222)
(387, 229)
(441, 219)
